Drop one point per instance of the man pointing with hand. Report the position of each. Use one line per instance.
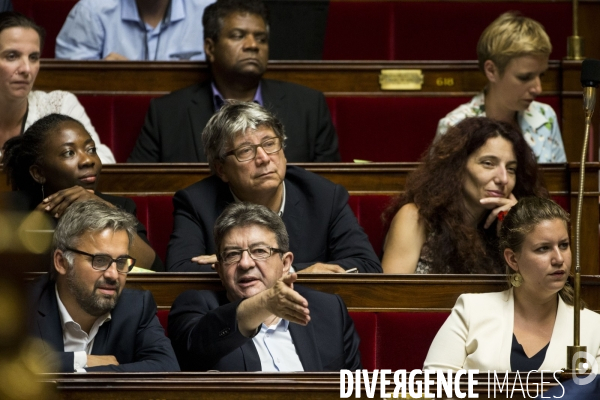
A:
(263, 321)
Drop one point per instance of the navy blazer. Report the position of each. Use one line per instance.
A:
(174, 124)
(133, 335)
(203, 329)
(319, 221)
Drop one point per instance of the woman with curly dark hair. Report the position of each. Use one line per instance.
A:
(446, 220)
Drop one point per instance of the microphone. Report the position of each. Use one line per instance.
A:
(590, 78)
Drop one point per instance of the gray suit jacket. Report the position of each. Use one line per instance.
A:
(174, 123)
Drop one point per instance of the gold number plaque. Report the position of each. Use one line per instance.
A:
(444, 81)
(401, 79)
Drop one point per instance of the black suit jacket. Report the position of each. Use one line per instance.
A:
(319, 221)
(174, 124)
(133, 335)
(203, 329)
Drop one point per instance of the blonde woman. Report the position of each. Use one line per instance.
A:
(513, 54)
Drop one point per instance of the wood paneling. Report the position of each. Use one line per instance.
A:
(374, 178)
(242, 386)
(361, 292)
(334, 78)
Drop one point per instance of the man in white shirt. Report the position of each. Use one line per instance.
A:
(263, 321)
(81, 310)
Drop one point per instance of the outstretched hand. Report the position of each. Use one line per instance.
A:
(282, 301)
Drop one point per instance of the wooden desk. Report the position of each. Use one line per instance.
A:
(374, 178)
(334, 78)
(361, 292)
(242, 386)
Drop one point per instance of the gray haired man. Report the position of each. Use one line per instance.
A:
(81, 310)
(244, 145)
(263, 321)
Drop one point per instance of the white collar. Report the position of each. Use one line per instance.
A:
(280, 212)
(65, 317)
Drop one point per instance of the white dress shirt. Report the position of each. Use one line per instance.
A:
(75, 339)
(276, 348)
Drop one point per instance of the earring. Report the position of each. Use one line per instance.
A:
(43, 197)
(516, 279)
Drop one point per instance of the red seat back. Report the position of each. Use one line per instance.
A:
(156, 213)
(118, 119)
(403, 338)
(49, 14)
(429, 30)
(365, 324)
(163, 318)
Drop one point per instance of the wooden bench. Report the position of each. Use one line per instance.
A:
(247, 386)
(396, 316)
(117, 95)
(152, 185)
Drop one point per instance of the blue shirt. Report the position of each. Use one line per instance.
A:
(276, 348)
(94, 29)
(218, 99)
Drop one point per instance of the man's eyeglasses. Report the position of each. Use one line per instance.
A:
(256, 253)
(247, 152)
(101, 262)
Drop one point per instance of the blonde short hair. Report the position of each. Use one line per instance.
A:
(512, 35)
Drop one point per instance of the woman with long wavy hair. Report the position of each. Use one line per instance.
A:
(445, 222)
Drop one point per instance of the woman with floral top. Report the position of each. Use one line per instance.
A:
(513, 54)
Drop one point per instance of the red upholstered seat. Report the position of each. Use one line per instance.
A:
(359, 31)
(389, 128)
(368, 210)
(118, 119)
(392, 340)
(163, 317)
(50, 14)
(101, 113)
(429, 30)
(365, 324)
(403, 339)
(563, 201)
(156, 213)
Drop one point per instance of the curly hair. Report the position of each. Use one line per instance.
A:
(23, 151)
(433, 188)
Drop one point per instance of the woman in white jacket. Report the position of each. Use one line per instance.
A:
(529, 326)
(21, 42)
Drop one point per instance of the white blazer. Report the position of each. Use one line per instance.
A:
(478, 335)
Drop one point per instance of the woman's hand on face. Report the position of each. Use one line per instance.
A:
(500, 204)
(56, 204)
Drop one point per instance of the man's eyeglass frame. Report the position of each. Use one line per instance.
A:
(112, 260)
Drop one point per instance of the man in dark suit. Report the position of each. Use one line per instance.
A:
(236, 35)
(263, 321)
(80, 309)
(244, 147)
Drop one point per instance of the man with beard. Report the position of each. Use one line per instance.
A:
(80, 309)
